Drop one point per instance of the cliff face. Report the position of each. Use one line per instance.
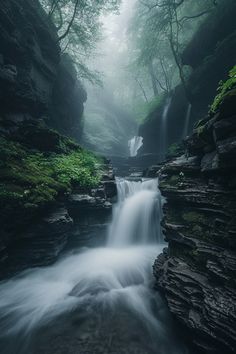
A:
(39, 90)
(67, 102)
(197, 270)
(152, 129)
(209, 56)
(32, 75)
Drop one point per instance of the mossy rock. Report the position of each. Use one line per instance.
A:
(31, 179)
(35, 135)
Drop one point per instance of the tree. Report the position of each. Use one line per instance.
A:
(160, 30)
(78, 23)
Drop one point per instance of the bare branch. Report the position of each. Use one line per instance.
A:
(70, 23)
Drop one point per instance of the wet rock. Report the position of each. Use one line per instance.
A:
(40, 244)
(210, 162)
(197, 272)
(110, 189)
(224, 128)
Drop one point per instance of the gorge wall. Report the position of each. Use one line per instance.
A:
(35, 82)
(197, 271)
(39, 90)
(209, 56)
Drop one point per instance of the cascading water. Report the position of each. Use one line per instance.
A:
(96, 301)
(187, 121)
(134, 145)
(163, 135)
(137, 215)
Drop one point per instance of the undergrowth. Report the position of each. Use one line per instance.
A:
(223, 89)
(30, 179)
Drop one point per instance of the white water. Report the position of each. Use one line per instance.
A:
(140, 204)
(187, 121)
(134, 145)
(163, 145)
(95, 300)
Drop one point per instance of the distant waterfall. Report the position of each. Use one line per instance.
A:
(134, 145)
(138, 214)
(187, 121)
(163, 131)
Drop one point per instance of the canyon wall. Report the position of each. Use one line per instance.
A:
(39, 90)
(208, 57)
(35, 81)
(197, 271)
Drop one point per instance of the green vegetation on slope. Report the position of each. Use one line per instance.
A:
(224, 89)
(30, 178)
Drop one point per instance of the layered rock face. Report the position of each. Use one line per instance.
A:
(34, 82)
(67, 102)
(78, 220)
(38, 90)
(197, 270)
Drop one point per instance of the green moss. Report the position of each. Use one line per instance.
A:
(224, 89)
(175, 150)
(30, 179)
(143, 110)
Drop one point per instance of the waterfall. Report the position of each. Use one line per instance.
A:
(134, 145)
(187, 121)
(164, 132)
(97, 300)
(138, 214)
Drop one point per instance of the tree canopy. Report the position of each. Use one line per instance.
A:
(78, 23)
(159, 31)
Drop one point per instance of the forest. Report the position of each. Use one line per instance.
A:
(117, 177)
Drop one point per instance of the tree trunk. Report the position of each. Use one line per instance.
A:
(153, 78)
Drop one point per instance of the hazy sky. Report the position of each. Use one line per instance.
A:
(117, 25)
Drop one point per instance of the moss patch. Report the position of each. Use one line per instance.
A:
(30, 179)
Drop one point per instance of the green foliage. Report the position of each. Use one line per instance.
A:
(223, 90)
(30, 179)
(79, 29)
(77, 168)
(143, 109)
(175, 149)
(160, 55)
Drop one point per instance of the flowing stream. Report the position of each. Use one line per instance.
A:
(97, 300)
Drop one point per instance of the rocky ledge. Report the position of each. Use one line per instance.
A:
(76, 220)
(197, 271)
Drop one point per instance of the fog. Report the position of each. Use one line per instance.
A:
(109, 122)
(140, 64)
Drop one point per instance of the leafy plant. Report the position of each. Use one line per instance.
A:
(223, 89)
(31, 178)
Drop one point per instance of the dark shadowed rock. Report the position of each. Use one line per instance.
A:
(197, 271)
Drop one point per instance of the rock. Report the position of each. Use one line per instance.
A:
(67, 103)
(227, 148)
(110, 189)
(40, 244)
(197, 272)
(210, 162)
(81, 203)
(30, 55)
(224, 128)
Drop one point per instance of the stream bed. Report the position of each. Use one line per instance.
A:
(96, 300)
